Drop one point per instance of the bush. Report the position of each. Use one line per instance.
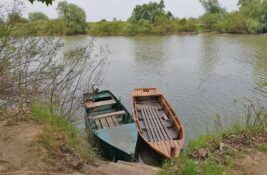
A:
(232, 23)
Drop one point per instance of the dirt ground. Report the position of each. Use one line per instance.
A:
(255, 163)
(21, 154)
(17, 151)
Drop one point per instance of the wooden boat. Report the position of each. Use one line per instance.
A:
(158, 125)
(111, 124)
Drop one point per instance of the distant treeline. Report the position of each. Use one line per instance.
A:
(149, 19)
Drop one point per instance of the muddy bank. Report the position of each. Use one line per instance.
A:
(25, 149)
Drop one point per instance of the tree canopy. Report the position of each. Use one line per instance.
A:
(256, 12)
(37, 16)
(47, 2)
(74, 17)
(149, 12)
(15, 17)
(211, 6)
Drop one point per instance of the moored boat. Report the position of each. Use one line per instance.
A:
(111, 124)
(158, 125)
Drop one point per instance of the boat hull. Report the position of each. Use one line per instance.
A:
(117, 141)
(109, 151)
(158, 125)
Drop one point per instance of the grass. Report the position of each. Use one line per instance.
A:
(262, 147)
(40, 112)
(212, 168)
(60, 134)
(251, 134)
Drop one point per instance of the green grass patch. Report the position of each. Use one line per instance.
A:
(179, 166)
(59, 132)
(262, 147)
(41, 112)
(201, 142)
(211, 167)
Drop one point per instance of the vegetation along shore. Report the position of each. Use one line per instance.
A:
(148, 19)
(41, 93)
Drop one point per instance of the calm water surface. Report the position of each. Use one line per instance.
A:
(201, 75)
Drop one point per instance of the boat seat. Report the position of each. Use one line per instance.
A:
(107, 122)
(107, 115)
(90, 104)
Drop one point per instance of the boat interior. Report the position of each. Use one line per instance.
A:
(154, 119)
(103, 111)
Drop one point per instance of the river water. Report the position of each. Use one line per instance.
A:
(201, 75)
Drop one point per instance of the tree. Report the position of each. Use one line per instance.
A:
(211, 6)
(32, 68)
(15, 17)
(74, 17)
(256, 13)
(37, 16)
(47, 2)
(149, 12)
(243, 2)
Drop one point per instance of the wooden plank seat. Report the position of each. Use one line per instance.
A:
(107, 115)
(156, 128)
(107, 120)
(90, 104)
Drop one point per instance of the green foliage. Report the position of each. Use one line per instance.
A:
(161, 26)
(179, 166)
(210, 21)
(211, 167)
(212, 6)
(151, 19)
(47, 2)
(149, 12)
(42, 27)
(15, 17)
(37, 16)
(41, 112)
(256, 13)
(73, 16)
(60, 132)
(105, 28)
(233, 22)
(262, 147)
(201, 142)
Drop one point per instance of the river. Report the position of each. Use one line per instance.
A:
(201, 75)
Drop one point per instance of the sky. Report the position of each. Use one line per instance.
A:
(122, 9)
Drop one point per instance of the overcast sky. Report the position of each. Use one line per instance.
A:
(122, 9)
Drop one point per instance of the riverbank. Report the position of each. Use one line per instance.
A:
(242, 149)
(35, 141)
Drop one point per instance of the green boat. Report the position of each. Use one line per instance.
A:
(111, 124)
